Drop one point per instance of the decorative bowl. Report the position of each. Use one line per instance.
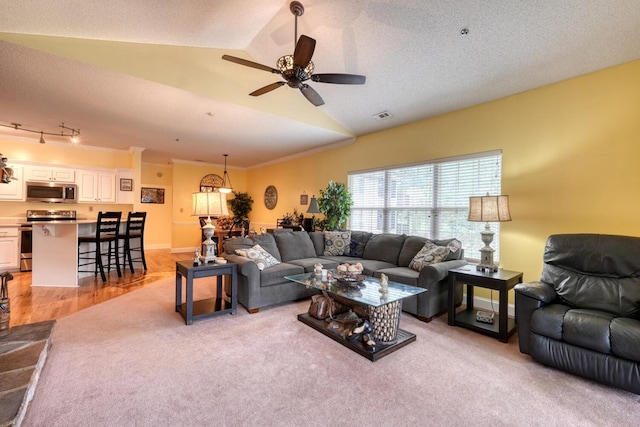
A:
(350, 279)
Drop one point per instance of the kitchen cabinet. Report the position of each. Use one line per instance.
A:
(47, 173)
(9, 248)
(14, 189)
(96, 186)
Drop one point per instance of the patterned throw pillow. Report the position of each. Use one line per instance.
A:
(429, 254)
(260, 256)
(337, 242)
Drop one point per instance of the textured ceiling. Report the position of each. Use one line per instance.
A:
(146, 73)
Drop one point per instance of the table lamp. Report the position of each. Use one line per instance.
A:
(488, 209)
(313, 209)
(212, 203)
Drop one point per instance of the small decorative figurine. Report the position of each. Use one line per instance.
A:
(197, 258)
(384, 284)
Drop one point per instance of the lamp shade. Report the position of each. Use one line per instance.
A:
(313, 206)
(211, 203)
(489, 209)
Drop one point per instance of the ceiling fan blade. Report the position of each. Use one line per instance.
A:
(311, 95)
(267, 88)
(250, 64)
(342, 79)
(304, 51)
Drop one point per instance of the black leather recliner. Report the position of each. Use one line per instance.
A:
(583, 316)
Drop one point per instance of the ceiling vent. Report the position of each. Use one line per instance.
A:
(382, 116)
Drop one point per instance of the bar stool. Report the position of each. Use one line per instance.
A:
(134, 230)
(107, 231)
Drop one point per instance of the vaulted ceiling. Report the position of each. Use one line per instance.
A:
(149, 74)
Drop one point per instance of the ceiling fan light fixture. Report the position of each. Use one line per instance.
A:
(285, 65)
(226, 180)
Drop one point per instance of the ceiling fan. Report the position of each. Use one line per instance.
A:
(298, 68)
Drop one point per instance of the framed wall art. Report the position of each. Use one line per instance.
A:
(152, 195)
(126, 184)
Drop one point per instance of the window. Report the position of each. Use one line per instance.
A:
(429, 199)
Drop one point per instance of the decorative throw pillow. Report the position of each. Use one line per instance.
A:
(337, 242)
(429, 254)
(260, 256)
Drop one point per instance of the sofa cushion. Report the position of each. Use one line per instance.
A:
(231, 245)
(587, 329)
(257, 254)
(625, 338)
(359, 240)
(337, 242)
(295, 245)
(317, 238)
(275, 274)
(384, 247)
(614, 295)
(429, 254)
(268, 243)
(308, 263)
(410, 247)
(595, 271)
(403, 275)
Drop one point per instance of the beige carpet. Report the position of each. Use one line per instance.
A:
(132, 361)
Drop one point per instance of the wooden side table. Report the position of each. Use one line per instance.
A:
(502, 281)
(195, 310)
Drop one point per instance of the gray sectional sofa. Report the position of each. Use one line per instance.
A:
(297, 252)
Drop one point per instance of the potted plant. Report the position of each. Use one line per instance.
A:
(240, 205)
(335, 203)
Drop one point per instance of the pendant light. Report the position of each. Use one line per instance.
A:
(226, 181)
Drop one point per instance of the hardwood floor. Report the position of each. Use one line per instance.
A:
(36, 304)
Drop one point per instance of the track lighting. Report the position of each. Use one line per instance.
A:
(72, 133)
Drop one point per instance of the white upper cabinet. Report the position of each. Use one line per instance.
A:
(14, 189)
(47, 173)
(96, 187)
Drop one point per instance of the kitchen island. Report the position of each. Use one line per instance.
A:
(55, 251)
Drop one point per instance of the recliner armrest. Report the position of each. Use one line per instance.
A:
(540, 291)
(530, 296)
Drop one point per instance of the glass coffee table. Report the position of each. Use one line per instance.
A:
(382, 310)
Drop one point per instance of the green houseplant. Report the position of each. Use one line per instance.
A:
(240, 205)
(335, 203)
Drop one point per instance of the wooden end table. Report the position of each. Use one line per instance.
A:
(502, 281)
(196, 310)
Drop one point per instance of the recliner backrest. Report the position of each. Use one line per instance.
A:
(595, 271)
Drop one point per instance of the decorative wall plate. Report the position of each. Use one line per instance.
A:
(270, 197)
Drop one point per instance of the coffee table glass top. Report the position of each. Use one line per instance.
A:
(367, 292)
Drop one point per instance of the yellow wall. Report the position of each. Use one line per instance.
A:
(186, 181)
(569, 165)
(570, 155)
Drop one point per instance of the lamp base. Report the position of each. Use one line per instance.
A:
(208, 246)
(486, 253)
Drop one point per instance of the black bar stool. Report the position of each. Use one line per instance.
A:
(107, 231)
(134, 230)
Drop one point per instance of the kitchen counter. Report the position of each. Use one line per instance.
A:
(55, 251)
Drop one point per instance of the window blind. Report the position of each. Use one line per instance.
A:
(429, 199)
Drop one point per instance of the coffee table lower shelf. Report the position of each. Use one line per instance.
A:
(403, 338)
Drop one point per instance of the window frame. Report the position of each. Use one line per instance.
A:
(476, 174)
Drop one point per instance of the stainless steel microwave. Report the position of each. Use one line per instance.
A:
(51, 192)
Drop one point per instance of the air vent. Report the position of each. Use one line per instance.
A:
(382, 116)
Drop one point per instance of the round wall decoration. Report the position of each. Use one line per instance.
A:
(210, 182)
(270, 197)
